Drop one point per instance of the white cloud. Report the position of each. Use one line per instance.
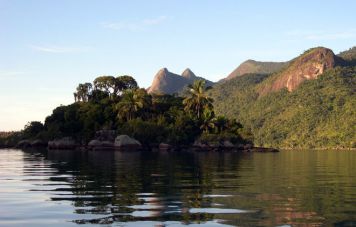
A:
(134, 26)
(58, 49)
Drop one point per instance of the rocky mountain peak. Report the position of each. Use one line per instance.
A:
(187, 73)
(166, 82)
(309, 65)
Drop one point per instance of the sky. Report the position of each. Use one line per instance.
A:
(48, 47)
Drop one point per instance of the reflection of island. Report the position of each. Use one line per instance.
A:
(269, 189)
(131, 186)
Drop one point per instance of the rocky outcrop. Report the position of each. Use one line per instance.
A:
(214, 145)
(124, 142)
(66, 143)
(100, 145)
(166, 82)
(308, 66)
(257, 67)
(104, 140)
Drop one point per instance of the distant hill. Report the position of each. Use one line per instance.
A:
(349, 55)
(166, 82)
(258, 67)
(310, 103)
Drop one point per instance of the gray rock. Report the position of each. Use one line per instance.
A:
(228, 144)
(165, 147)
(65, 143)
(126, 142)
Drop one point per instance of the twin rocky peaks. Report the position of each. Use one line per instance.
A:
(166, 82)
(290, 74)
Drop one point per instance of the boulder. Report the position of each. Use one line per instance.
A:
(65, 143)
(126, 142)
(228, 144)
(107, 144)
(165, 147)
(94, 144)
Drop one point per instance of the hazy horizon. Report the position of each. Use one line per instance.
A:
(48, 48)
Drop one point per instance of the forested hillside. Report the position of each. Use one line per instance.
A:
(320, 113)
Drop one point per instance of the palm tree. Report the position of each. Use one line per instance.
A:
(221, 123)
(208, 120)
(197, 100)
(132, 102)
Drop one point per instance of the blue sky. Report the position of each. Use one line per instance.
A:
(48, 47)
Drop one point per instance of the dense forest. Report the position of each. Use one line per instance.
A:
(117, 103)
(319, 114)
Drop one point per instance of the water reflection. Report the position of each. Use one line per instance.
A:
(289, 188)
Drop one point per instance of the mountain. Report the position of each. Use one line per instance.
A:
(189, 74)
(169, 83)
(258, 67)
(309, 104)
(309, 65)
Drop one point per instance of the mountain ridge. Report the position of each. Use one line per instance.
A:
(258, 67)
(315, 111)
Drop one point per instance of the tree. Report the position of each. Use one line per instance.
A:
(132, 102)
(197, 100)
(221, 123)
(123, 83)
(208, 120)
(32, 129)
(83, 92)
(105, 83)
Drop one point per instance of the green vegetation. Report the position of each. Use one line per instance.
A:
(318, 114)
(257, 67)
(119, 104)
(349, 55)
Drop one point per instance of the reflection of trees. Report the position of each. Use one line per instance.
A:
(112, 183)
(287, 188)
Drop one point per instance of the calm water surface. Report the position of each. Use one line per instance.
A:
(290, 188)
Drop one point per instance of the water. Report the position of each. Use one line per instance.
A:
(67, 188)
